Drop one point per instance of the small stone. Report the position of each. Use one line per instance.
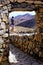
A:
(35, 63)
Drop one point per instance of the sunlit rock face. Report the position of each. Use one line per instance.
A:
(12, 58)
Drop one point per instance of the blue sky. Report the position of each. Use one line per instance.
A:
(16, 13)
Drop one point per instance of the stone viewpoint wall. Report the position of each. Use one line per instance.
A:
(29, 44)
(32, 44)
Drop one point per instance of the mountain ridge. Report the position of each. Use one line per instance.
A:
(24, 16)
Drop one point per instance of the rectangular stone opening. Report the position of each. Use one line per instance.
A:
(22, 21)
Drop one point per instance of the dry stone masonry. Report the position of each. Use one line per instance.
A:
(4, 49)
(33, 44)
(4, 46)
(29, 44)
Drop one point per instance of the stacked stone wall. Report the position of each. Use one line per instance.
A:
(4, 49)
(32, 44)
(29, 44)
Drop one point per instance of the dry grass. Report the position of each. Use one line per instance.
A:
(23, 29)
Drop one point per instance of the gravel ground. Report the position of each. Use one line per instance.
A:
(17, 57)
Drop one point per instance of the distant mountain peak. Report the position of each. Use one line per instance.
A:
(27, 15)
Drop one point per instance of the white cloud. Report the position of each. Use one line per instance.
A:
(16, 13)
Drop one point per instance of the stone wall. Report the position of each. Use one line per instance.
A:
(32, 44)
(4, 49)
(29, 44)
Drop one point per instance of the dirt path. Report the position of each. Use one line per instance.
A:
(17, 57)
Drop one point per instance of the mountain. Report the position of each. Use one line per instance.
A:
(21, 18)
(28, 23)
(25, 20)
(25, 17)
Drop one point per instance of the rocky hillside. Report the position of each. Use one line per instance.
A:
(25, 20)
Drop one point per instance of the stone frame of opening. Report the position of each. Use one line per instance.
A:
(29, 6)
(38, 7)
